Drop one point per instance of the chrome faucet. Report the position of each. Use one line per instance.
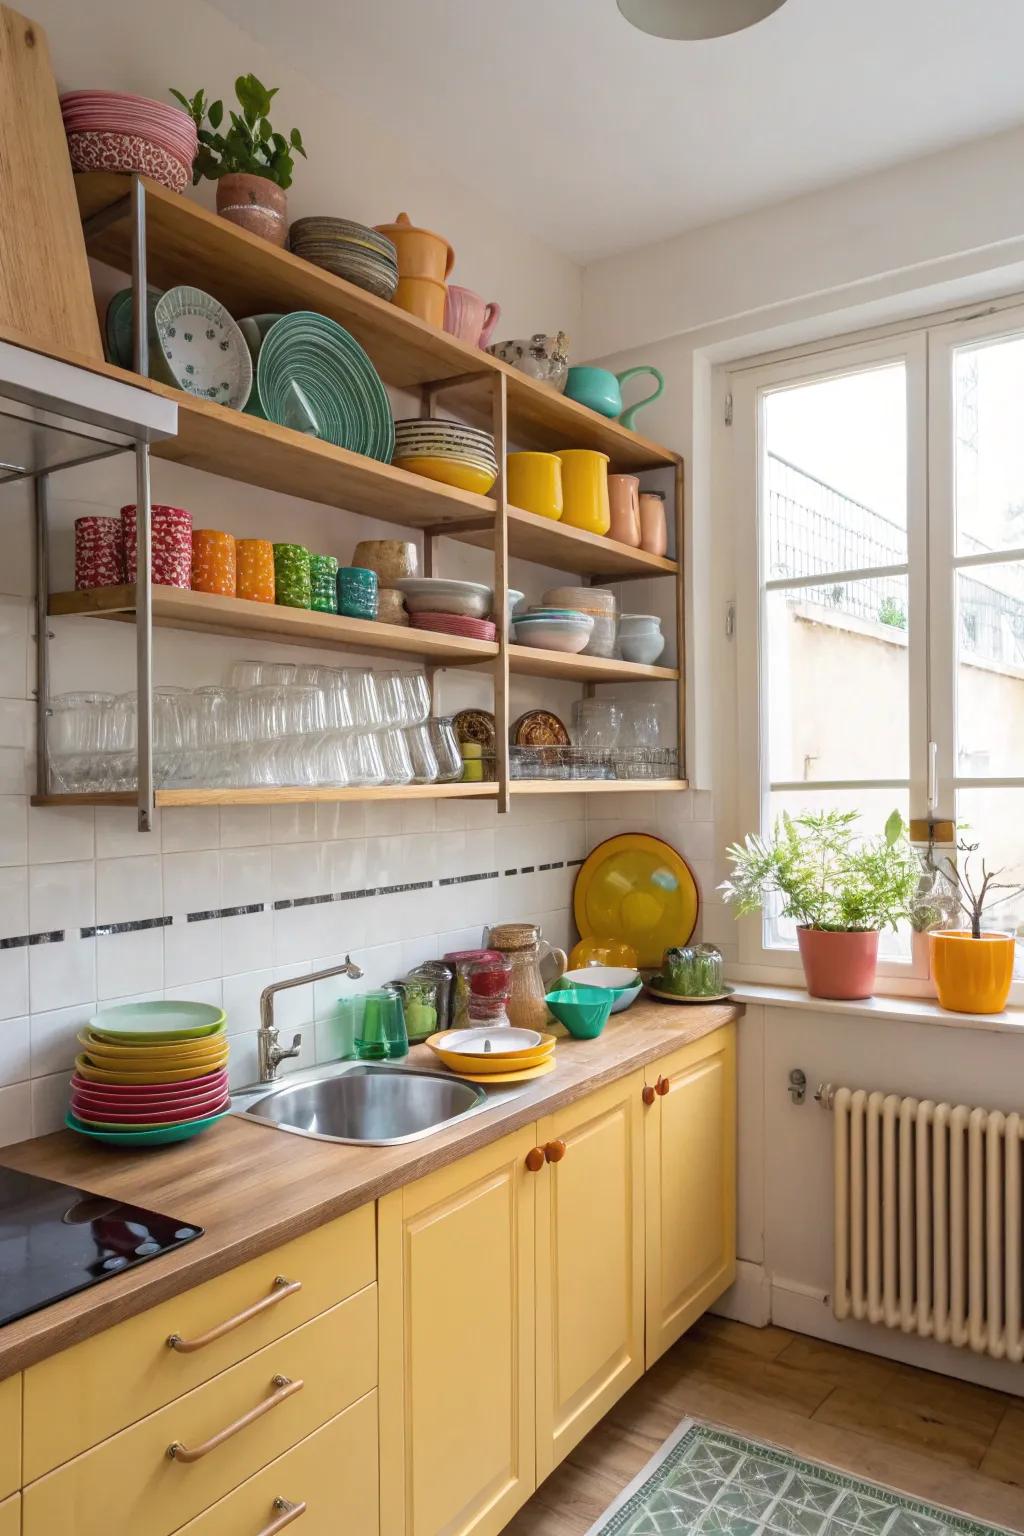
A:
(270, 1053)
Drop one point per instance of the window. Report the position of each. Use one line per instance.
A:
(882, 484)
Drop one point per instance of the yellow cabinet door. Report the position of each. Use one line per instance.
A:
(590, 1264)
(10, 1437)
(10, 1516)
(456, 1275)
(690, 1138)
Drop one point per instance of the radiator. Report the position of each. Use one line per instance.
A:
(928, 1219)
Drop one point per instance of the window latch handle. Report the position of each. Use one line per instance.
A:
(933, 777)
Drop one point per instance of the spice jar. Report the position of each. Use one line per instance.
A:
(522, 945)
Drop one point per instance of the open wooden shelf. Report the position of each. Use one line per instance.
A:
(174, 608)
(530, 661)
(189, 244)
(300, 796)
(565, 548)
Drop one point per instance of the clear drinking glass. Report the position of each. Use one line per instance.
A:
(446, 750)
(392, 697)
(362, 758)
(367, 714)
(425, 769)
(246, 674)
(416, 692)
(394, 752)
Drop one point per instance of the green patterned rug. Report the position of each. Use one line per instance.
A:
(707, 1482)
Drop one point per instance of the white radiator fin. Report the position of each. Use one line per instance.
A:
(928, 1220)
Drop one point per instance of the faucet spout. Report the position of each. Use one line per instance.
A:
(270, 1053)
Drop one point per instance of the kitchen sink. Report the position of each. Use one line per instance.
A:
(363, 1103)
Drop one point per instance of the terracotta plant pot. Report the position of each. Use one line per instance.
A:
(972, 975)
(838, 965)
(255, 204)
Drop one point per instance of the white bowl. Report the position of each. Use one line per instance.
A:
(613, 976)
(493, 1040)
(567, 635)
(433, 594)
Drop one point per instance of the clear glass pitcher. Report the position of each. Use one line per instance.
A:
(536, 965)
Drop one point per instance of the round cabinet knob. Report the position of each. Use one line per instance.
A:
(663, 1085)
(535, 1159)
(554, 1151)
(648, 1094)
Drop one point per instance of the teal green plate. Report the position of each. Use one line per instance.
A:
(119, 328)
(162, 1021)
(312, 376)
(161, 1137)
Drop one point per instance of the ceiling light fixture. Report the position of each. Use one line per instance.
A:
(691, 20)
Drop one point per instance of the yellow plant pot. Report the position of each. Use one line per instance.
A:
(535, 483)
(972, 975)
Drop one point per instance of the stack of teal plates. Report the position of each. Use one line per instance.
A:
(313, 376)
(349, 250)
(323, 579)
(118, 326)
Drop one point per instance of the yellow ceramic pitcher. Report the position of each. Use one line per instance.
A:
(535, 483)
(585, 489)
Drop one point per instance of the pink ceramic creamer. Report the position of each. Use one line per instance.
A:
(467, 316)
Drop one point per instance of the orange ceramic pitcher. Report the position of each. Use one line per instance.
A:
(424, 261)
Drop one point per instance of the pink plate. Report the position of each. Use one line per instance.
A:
(152, 1117)
(149, 1091)
(136, 1106)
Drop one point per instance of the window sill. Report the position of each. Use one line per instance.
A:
(912, 1010)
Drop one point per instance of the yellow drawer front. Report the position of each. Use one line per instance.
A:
(130, 1486)
(333, 1473)
(78, 1398)
(10, 1439)
(10, 1516)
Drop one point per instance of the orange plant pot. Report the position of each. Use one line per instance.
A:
(971, 975)
(838, 965)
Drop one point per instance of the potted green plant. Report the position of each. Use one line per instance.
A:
(840, 889)
(251, 163)
(972, 967)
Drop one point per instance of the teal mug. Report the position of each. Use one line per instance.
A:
(601, 390)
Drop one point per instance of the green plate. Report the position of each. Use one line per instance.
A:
(160, 1137)
(160, 1021)
(313, 376)
(119, 330)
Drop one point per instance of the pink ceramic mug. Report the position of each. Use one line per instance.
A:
(468, 317)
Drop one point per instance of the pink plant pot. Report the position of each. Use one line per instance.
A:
(838, 965)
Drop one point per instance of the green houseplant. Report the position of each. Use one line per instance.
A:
(840, 889)
(251, 162)
(972, 967)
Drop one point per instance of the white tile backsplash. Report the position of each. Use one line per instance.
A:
(59, 895)
(15, 1050)
(60, 833)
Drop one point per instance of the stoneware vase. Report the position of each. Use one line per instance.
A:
(255, 204)
(838, 965)
(971, 975)
(624, 505)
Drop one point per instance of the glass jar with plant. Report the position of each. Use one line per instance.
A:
(972, 967)
(251, 163)
(841, 890)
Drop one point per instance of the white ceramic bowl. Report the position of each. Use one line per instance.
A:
(433, 594)
(623, 979)
(567, 635)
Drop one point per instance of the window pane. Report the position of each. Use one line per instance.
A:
(988, 384)
(994, 818)
(875, 806)
(990, 674)
(837, 670)
(836, 473)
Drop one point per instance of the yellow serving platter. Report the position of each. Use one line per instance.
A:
(438, 1043)
(637, 889)
(495, 1079)
(490, 1066)
(85, 1068)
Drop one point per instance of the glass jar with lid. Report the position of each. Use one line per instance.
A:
(536, 965)
(694, 971)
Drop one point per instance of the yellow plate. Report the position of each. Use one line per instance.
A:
(466, 477)
(546, 1043)
(145, 1055)
(85, 1068)
(497, 1078)
(488, 1066)
(637, 889)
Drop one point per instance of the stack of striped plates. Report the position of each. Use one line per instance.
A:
(312, 376)
(448, 451)
(150, 1073)
(352, 251)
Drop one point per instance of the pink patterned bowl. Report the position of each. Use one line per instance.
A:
(126, 153)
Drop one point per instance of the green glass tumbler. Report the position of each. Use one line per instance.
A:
(379, 1018)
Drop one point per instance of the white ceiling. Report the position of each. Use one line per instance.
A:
(600, 138)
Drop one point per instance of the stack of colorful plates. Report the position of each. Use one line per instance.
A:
(150, 1073)
(313, 376)
(495, 1054)
(352, 251)
(114, 131)
(447, 451)
(454, 624)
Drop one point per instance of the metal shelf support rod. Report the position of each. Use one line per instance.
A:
(143, 499)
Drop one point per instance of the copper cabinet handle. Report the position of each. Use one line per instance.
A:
(283, 1387)
(288, 1513)
(648, 1094)
(555, 1151)
(662, 1086)
(282, 1288)
(535, 1159)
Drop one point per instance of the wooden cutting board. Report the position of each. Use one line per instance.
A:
(45, 289)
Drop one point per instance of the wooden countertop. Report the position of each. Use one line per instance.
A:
(253, 1187)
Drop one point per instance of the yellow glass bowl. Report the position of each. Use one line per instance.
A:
(465, 477)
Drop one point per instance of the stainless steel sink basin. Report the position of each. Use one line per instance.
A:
(362, 1103)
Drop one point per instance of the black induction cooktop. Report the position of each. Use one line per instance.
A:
(56, 1240)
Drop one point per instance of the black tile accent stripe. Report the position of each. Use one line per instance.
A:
(23, 940)
(255, 906)
(575, 863)
(103, 930)
(492, 874)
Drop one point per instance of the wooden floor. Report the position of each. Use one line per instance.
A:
(937, 1439)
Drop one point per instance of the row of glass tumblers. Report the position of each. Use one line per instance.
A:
(272, 724)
